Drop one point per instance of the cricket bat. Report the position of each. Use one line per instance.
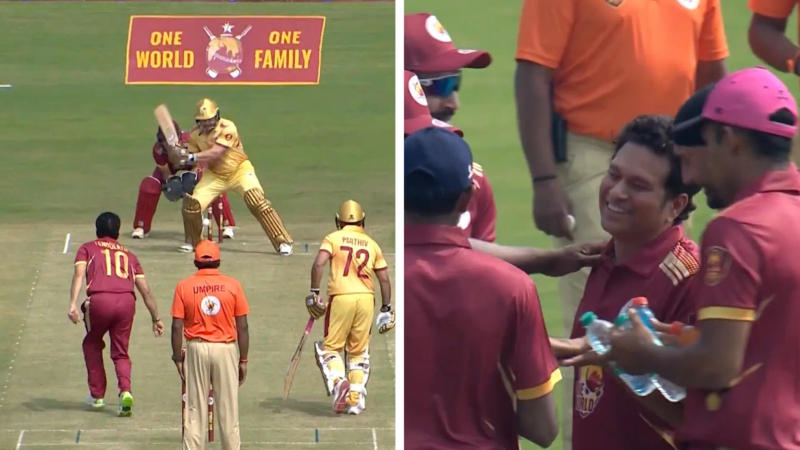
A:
(167, 126)
(287, 384)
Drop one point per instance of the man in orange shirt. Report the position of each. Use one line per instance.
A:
(210, 310)
(354, 258)
(584, 69)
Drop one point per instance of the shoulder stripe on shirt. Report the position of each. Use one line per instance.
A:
(679, 265)
(540, 390)
(726, 312)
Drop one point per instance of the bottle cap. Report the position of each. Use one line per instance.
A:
(639, 301)
(621, 319)
(587, 318)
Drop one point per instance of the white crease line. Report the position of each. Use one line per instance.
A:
(19, 439)
(66, 244)
(259, 443)
(117, 430)
(374, 439)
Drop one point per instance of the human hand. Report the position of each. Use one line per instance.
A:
(551, 206)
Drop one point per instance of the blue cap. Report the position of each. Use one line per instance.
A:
(441, 155)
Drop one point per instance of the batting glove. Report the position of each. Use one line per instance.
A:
(315, 305)
(385, 320)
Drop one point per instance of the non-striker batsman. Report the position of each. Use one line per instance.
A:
(354, 257)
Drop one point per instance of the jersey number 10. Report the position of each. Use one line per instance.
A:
(362, 257)
(120, 263)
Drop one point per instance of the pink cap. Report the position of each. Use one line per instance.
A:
(417, 114)
(745, 99)
(429, 49)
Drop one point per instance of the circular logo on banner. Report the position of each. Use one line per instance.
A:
(416, 91)
(210, 305)
(689, 4)
(436, 30)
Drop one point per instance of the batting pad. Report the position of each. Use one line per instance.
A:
(192, 220)
(266, 215)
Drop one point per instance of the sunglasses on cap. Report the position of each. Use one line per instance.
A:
(441, 86)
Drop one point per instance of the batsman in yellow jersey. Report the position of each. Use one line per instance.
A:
(354, 257)
(215, 143)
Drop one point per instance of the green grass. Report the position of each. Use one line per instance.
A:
(76, 141)
(488, 118)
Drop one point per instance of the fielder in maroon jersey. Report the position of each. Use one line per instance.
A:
(111, 272)
(151, 186)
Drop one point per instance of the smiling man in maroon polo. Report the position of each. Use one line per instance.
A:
(479, 370)
(643, 203)
(742, 373)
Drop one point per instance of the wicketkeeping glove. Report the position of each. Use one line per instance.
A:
(385, 320)
(315, 305)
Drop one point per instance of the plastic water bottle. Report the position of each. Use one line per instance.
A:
(668, 389)
(597, 332)
(641, 385)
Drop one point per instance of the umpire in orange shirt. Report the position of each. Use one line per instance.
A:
(210, 310)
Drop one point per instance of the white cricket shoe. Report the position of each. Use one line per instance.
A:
(186, 248)
(138, 233)
(227, 232)
(353, 410)
(285, 249)
(340, 392)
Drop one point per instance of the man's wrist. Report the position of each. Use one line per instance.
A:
(243, 360)
(386, 307)
(177, 358)
(156, 319)
(314, 291)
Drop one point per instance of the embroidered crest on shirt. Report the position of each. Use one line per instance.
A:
(588, 389)
(718, 264)
(679, 264)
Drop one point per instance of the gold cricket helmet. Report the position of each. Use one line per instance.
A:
(350, 212)
(206, 109)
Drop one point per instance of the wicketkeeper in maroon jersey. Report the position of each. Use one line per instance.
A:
(165, 178)
(111, 271)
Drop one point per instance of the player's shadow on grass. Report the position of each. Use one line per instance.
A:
(49, 404)
(314, 408)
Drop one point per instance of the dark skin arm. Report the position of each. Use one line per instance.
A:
(548, 262)
(243, 340)
(537, 420)
(386, 286)
(712, 362)
(532, 84)
(767, 37)
(177, 345)
(708, 72)
(318, 267)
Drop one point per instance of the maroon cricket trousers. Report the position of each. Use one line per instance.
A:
(112, 313)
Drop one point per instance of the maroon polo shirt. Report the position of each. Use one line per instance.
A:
(110, 266)
(605, 411)
(474, 339)
(751, 272)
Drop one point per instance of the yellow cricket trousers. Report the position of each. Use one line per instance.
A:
(212, 185)
(348, 323)
(586, 165)
(207, 361)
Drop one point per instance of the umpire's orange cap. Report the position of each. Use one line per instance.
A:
(206, 251)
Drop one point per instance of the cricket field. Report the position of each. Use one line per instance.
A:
(77, 141)
(488, 117)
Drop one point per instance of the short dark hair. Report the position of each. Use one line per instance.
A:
(423, 196)
(655, 133)
(206, 264)
(771, 146)
(107, 225)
